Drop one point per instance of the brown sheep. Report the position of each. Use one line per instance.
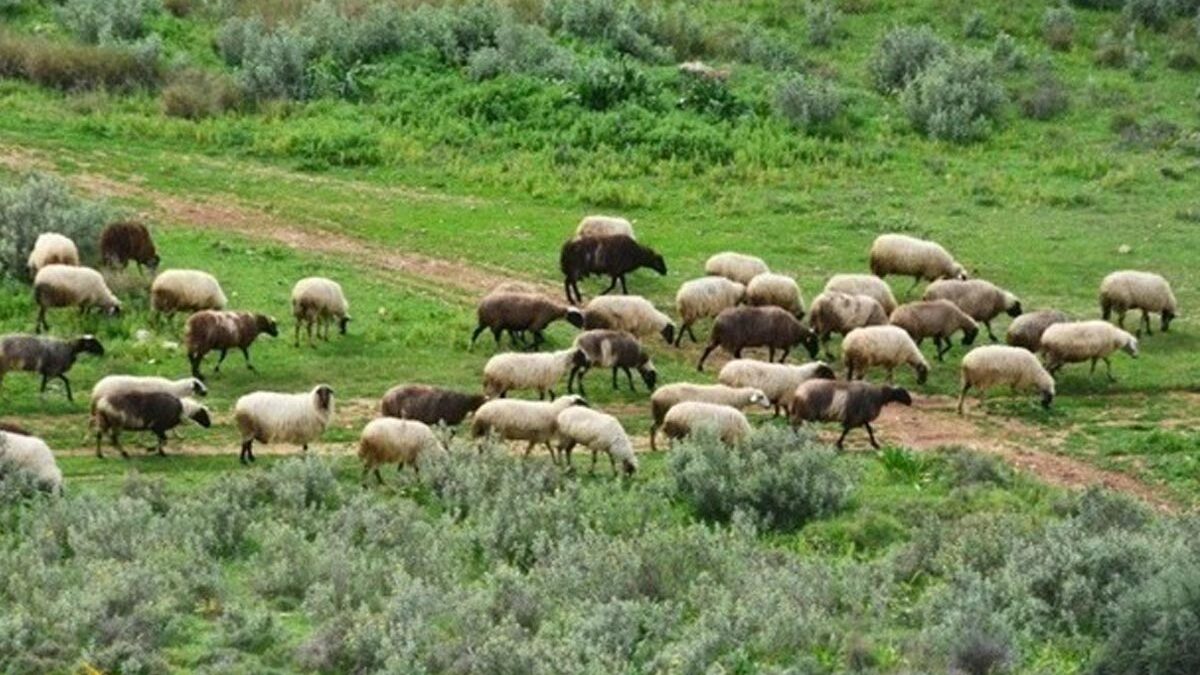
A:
(611, 349)
(431, 405)
(124, 241)
(1026, 330)
(520, 312)
(772, 327)
(938, 319)
(212, 330)
(11, 428)
(853, 404)
(614, 256)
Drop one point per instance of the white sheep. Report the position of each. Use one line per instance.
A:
(317, 300)
(630, 313)
(597, 432)
(517, 370)
(997, 365)
(1078, 341)
(836, 312)
(704, 298)
(981, 300)
(388, 440)
(1129, 289)
(911, 257)
(31, 454)
(69, 286)
(864, 284)
(186, 291)
(604, 226)
(116, 384)
(728, 423)
(735, 266)
(52, 248)
(777, 380)
(272, 417)
(779, 290)
(666, 397)
(883, 346)
(533, 421)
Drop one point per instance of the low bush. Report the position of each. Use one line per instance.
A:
(902, 54)
(1046, 99)
(1007, 54)
(976, 25)
(602, 84)
(754, 45)
(809, 103)
(957, 98)
(521, 49)
(1155, 626)
(103, 21)
(43, 203)
(824, 23)
(1184, 59)
(195, 93)
(710, 96)
(1115, 51)
(275, 65)
(70, 66)
(1154, 14)
(1058, 27)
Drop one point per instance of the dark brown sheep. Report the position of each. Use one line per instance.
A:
(154, 411)
(124, 241)
(212, 330)
(1026, 330)
(737, 328)
(10, 428)
(520, 312)
(614, 256)
(611, 349)
(49, 357)
(853, 404)
(431, 405)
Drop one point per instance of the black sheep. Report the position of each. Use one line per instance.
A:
(49, 357)
(614, 256)
(153, 411)
(737, 328)
(431, 405)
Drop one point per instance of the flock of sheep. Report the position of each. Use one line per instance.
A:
(750, 307)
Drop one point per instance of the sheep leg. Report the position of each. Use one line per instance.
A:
(593, 469)
(679, 336)
(67, 384)
(567, 289)
(1146, 320)
(784, 355)
(610, 287)
(496, 332)
(616, 386)
(629, 376)
(41, 320)
(116, 441)
(474, 336)
(937, 344)
(962, 396)
(379, 476)
(871, 435)
(991, 336)
(1092, 371)
(653, 433)
(707, 350)
(195, 360)
(1108, 370)
(538, 339)
(916, 282)
(553, 452)
(246, 355)
(162, 441)
(247, 455)
(692, 335)
(841, 439)
(624, 290)
(220, 360)
(296, 340)
(45, 382)
(1121, 319)
(529, 448)
(310, 332)
(612, 461)
(99, 453)
(770, 354)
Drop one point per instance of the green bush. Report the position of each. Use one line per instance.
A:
(196, 93)
(69, 66)
(1155, 626)
(1007, 54)
(275, 65)
(521, 49)
(1153, 14)
(753, 44)
(602, 84)
(976, 25)
(824, 23)
(1058, 27)
(810, 103)
(102, 21)
(1113, 51)
(1046, 99)
(43, 203)
(902, 54)
(957, 98)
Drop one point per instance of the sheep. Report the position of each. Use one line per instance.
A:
(210, 330)
(13, 428)
(611, 349)
(520, 312)
(735, 266)
(185, 291)
(853, 404)
(1026, 330)
(49, 357)
(938, 319)
(430, 405)
(156, 411)
(1128, 289)
(115, 384)
(864, 284)
(604, 226)
(51, 248)
(513, 370)
(835, 312)
(387, 440)
(705, 298)
(911, 257)
(779, 290)
(515, 287)
(728, 423)
(664, 398)
(777, 380)
(121, 242)
(272, 417)
(32, 455)
(996, 365)
(317, 299)
(886, 346)
(1077, 341)
(979, 299)
(631, 313)
(614, 256)
(68, 286)
(772, 327)
(598, 432)
(532, 421)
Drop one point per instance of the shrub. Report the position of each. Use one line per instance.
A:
(1115, 52)
(42, 203)
(1184, 59)
(754, 45)
(604, 84)
(178, 8)
(1100, 4)
(1139, 65)
(73, 66)
(1058, 27)
(195, 94)
(619, 23)
(521, 49)
(1153, 14)
(1155, 627)
(709, 95)
(976, 25)
(1007, 54)
(809, 103)
(824, 23)
(902, 54)
(1047, 99)
(955, 99)
(274, 65)
(102, 21)
(235, 36)
(970, 468)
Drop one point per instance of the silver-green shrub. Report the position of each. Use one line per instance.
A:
(44, 203)
(958, 98)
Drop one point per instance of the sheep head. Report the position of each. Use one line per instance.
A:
(324, 396)
(649, 374)
(88, 344)
(266, 324)
(343, 323)
(897, 395)
(198, 388)
(824, 372)
(668, 333)
(1167, 317)
(969, 335)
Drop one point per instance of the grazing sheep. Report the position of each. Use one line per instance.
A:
(611, 349)
(58, 286)
(157, 412)
(740, 327)
(51, 248)
(777, 380)
(997, 365)
(664, 398)
(630, 313)
(13, 428)
(911, 257)
(391, 441)
(431, 405)
(124, 241)
(271, 417)
(185, 291)
(728, 423)
(116, 384)
(938, 319)
(981, 300)
(210, 330)
(779, 290)
(32, 455)
(604, 226)
(853, 404)
(705, 298)
(1078, 341)
(520, 312)
(514, 370)
(597, 432)
(532, 421)
(1128, 289)
(317, 299)
(884, 346)
(613, 256)
(864, 284)
(834, 312)
(1026, 330)
(49, 357)
(735, 266)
